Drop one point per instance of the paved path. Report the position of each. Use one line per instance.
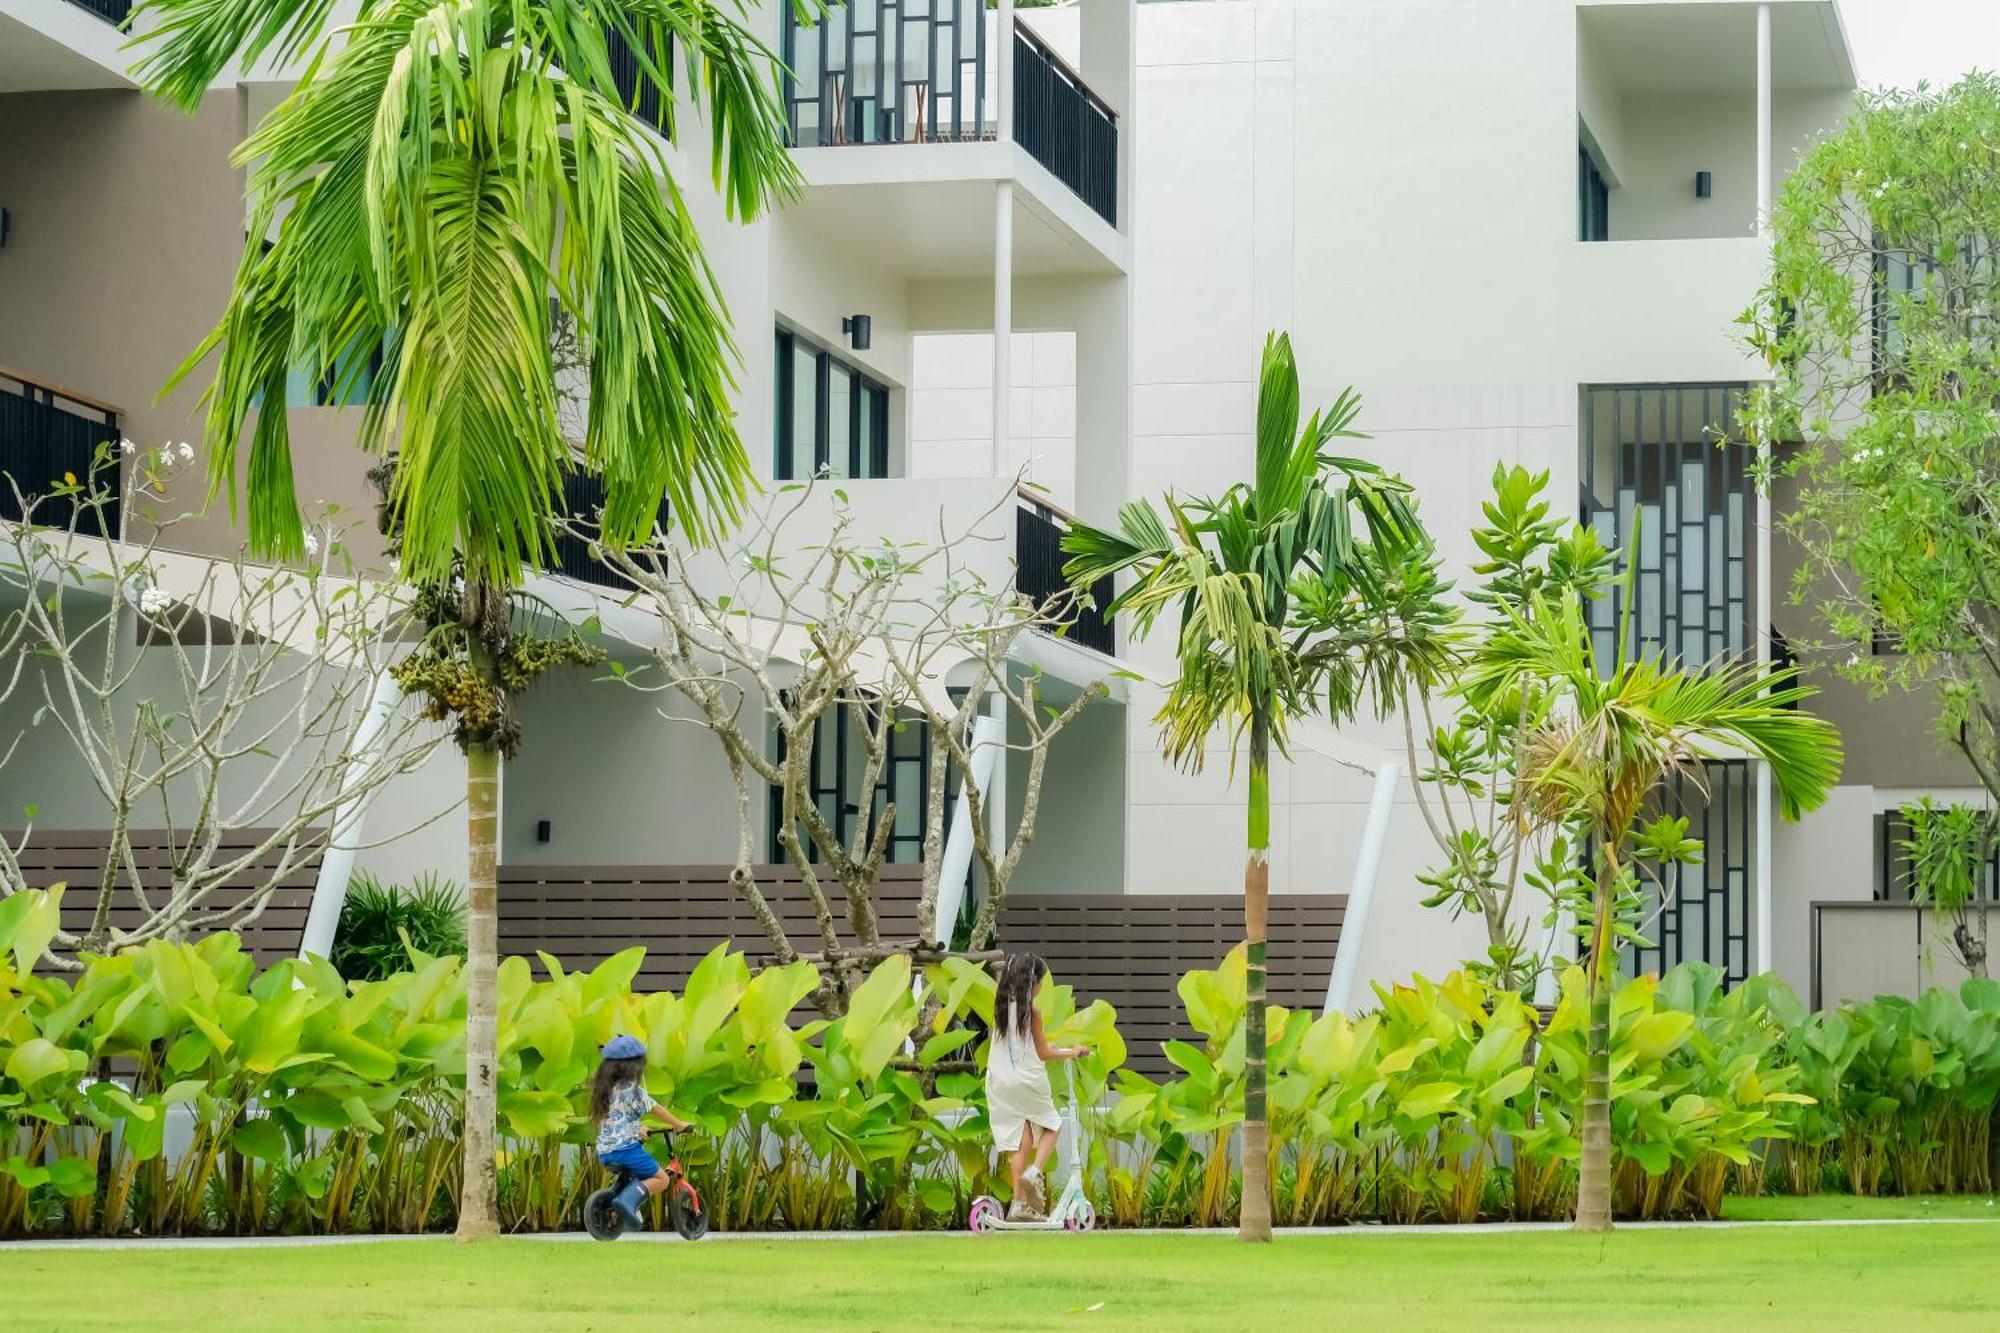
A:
(569, 1237)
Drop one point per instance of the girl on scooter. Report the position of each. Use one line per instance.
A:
(619, 1107)
(1019, 1106)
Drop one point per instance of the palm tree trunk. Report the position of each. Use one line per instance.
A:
(1255, 1219)
(476, 1215)
(1593, 1191)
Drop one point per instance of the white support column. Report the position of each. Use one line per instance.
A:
(1547, 987)
(337, 864)
(1003, 70)
(1002, 457)
(1761, 628)
(955, 865)
(1361, 898)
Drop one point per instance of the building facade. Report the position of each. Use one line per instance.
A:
(1522, 232)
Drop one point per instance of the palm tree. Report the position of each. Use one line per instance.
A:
(445, 184)
(1238, 569)
(1609, 743)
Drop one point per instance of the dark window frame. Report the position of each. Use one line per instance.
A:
(1593, 198)
(867, 459)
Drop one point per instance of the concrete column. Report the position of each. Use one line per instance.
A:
(1361, 898)
(1766, 927)
(336, 865)
(1001, 458)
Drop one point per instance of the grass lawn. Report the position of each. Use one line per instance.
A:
(1782, 1208)
(1907, 1278)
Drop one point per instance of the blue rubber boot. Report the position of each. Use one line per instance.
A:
(627, 1202)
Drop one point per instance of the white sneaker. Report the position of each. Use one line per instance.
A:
(1022, 1211)
(1034, 1194)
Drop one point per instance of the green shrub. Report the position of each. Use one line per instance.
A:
(381, 923)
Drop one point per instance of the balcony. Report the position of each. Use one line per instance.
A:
(47, 436)
(874, 72)
(583, 500)
(1038, 574)
(115, 12)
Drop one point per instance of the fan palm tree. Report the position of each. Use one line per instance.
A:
(445, 184)
(1608, 745)
(1238, 569)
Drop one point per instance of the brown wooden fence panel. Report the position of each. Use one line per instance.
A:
(75, 857)
(581, 915)
(1131, 950)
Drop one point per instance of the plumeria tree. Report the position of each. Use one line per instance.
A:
(1268, 581)
(443, 184)
(213, 702)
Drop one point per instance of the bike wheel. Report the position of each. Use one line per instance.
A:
(600, 1216)
(986, 1214)
(689, 1214)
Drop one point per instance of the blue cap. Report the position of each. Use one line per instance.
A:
(622, 1047)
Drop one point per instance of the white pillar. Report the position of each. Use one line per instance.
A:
(1563, 936)
(955, 865)
(336, 865)
(1001, 460)
(1003, 70)
(1766, 926)
(1361, 898)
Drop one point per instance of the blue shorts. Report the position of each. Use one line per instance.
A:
(633, 1159)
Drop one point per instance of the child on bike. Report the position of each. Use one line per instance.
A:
(1019, 1105)
(619, 1106)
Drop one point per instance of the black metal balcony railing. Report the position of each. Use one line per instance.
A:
(641, 94)
(46, 437)
(1064, 126)
(886, 71)
(583, 499)
(1038, 575)
(115, 12)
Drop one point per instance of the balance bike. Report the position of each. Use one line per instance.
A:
(685, 1209)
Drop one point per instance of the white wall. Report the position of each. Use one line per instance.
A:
(951, 409)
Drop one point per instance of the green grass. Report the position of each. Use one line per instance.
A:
(1910, 1278)
(1781, 1208)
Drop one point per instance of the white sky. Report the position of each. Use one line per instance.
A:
(1902, 41)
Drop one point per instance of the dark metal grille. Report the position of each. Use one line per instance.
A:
(1038, 575)
(1065, 126)
(886, 71)
(1668, 460)
(46, 436)
(1893, 869)
(641, 94)
(1703, 915)
(583, 501)
(115, 12)
(838, 757)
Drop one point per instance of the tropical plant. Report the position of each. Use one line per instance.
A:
(1242, 571)
(381, 923)
(1949, 849)
(1465, 760)
(439, 186)
(1607, 746)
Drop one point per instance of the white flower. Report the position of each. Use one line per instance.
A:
(152, 601)
(312, 544)
(126, 446)
(187, 452)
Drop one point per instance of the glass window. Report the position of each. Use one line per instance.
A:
(1593, 199)
(831, 416)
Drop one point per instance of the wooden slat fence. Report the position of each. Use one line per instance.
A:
(1131, 950)
(75, 857)
(582, 915)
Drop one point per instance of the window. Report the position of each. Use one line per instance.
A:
(839, 765)
(344, 384)
(1593, 199)
(831, 417)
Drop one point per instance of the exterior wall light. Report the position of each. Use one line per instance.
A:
(1704, 184)
(857, 328)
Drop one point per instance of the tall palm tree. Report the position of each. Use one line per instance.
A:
(1237, 569)
(1607, 747)
(443, 181)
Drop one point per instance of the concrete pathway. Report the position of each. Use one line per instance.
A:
(722, 1237)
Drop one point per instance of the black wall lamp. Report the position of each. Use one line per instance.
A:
(1704, 184)
(542, 830)
(857, 328)
(6, 224)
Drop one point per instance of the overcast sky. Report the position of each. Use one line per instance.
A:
(1902, 41)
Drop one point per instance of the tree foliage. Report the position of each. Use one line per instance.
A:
(1879, 325)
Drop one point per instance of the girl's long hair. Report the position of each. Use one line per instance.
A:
(1014, 997)
(610, 1076)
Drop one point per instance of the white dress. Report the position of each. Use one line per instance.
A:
(1017, 1089)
